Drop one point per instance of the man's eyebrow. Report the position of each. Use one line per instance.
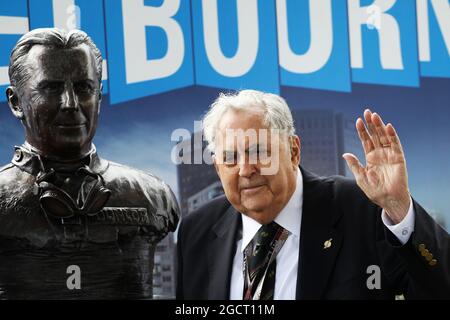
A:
(252, 148)
(45, 82)
(225, 152)
(85, 80)
(256, 147)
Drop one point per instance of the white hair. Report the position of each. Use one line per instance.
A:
(274, 108)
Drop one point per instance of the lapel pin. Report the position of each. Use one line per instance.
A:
(327, 243)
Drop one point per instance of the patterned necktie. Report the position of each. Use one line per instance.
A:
(259, 265)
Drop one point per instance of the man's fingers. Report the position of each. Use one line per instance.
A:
(371, 127)
(354, 164)
(393, 137)
(381, 130)
(364, 136)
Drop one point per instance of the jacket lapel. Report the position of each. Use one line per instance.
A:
(221, 253)
(317, 255)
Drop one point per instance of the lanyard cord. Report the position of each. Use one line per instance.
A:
(275, 247)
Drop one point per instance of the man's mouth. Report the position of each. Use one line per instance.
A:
(252, 189)
(71, 125)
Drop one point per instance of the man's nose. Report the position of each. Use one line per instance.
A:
(246, 169)
(69, 99)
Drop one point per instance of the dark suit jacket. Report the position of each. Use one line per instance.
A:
(336, 208)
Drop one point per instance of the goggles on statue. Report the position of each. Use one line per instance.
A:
(59, 204)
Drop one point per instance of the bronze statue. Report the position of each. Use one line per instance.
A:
(61, 205)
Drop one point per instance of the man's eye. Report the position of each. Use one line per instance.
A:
(53, 87)
(253, 155)
(83, 87)
(258, 155)
(263, 154)
(230, 159)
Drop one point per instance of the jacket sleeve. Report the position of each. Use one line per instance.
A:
(424, 268)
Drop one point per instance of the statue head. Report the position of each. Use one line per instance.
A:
(55, 91)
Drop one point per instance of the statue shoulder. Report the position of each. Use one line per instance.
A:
(6, 169)
(123, 174)
(155, 189)
(10, 174)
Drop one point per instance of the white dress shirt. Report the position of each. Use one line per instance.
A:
(287, 259)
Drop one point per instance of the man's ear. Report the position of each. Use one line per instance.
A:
(13, 102)
(100, 95)
(295, 150)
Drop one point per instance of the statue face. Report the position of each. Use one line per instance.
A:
(61, 100)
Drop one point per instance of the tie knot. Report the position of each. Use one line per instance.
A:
(267, 233)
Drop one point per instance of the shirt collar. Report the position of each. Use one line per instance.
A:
(289, 217)
(28, 159)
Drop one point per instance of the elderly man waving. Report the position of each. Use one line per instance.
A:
(281, 232)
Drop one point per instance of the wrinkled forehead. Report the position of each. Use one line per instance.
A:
(244, 141)
(250, 117)
(243, 129)
(60, 63)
